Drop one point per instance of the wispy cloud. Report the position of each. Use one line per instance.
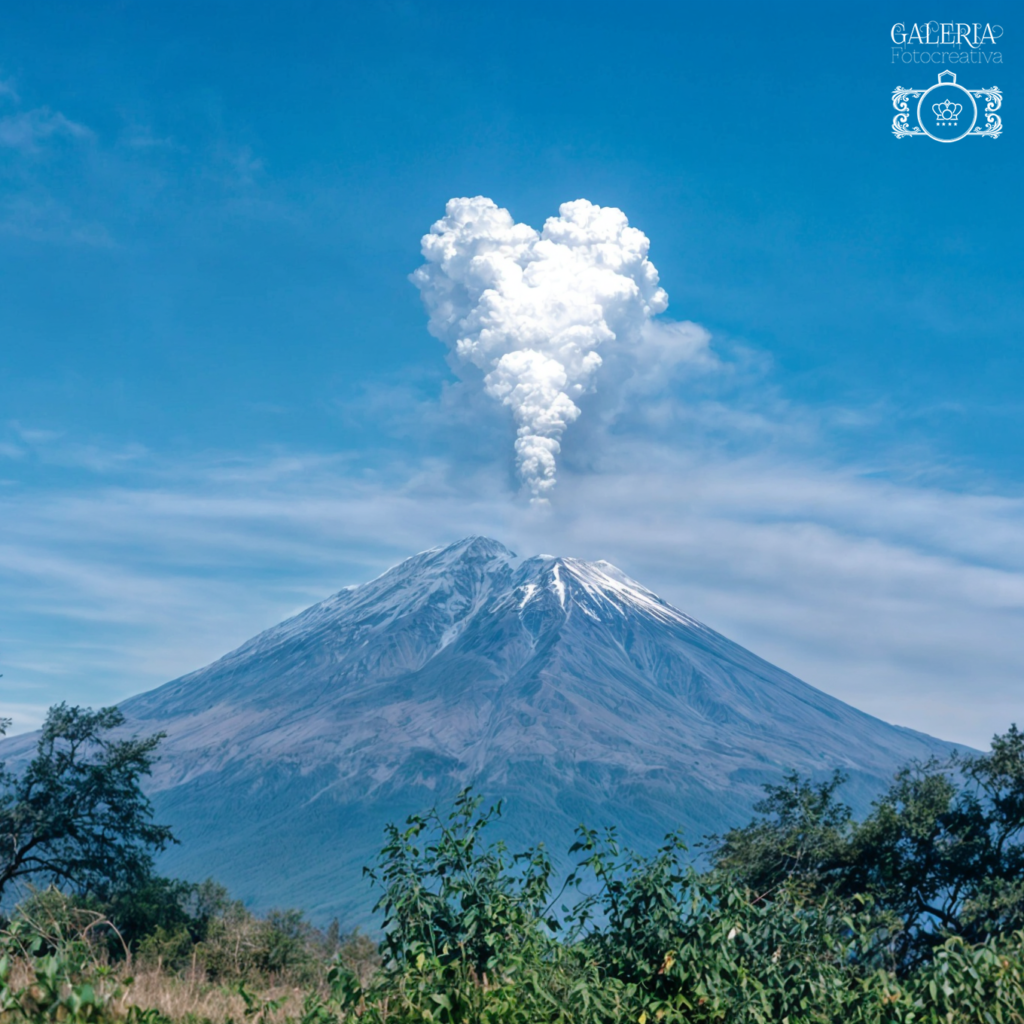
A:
(28, 130)
(142, 137)
(23, 716)
(33, 435)
(38, 216)
(65, 183)
(30, 209)
(901, 599)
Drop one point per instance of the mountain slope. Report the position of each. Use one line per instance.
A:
(563, 686)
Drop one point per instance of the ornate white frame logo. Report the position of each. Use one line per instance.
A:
(948, 113)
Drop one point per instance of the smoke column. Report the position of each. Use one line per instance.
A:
(531, 310)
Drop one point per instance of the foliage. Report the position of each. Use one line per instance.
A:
(65, 984)
(258, 1008)
(59, 919)
(448, 898)
(913, 916)
(800, 833)
(470, 935)
(941, 854)
(167, 907)
(238, 945)
(77, 816)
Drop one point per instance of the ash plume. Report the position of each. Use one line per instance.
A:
(532, 309)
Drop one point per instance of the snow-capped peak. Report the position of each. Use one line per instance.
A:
(599, 588)
(440, 591)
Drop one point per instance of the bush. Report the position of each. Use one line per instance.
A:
(470, 937)
(806, 917)
(64, 984)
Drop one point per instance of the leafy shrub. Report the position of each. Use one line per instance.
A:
(64, 984)
(913, 916)
(470, 937)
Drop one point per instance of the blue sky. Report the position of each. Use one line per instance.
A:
(219, 400)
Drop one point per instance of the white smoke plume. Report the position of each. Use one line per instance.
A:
(531, 310)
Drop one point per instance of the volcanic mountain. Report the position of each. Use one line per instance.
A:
(563, 686)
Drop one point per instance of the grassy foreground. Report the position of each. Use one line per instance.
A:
(747, 983)
(475, 934)
(913, 916)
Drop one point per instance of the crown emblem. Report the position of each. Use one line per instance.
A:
(947, 112)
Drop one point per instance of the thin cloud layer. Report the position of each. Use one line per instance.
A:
(894, 597)
(28, 130)
(531, 310)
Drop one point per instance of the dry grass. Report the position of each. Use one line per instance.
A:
(193, 997)
(187, 997)
(236, 945)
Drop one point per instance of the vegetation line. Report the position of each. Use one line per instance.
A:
(913, 916)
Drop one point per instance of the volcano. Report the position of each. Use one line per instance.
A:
(564, 687)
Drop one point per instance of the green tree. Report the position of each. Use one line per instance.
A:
(941, 854)
(800, 833)
(76, 816)
(163, 907)
(944, 848)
